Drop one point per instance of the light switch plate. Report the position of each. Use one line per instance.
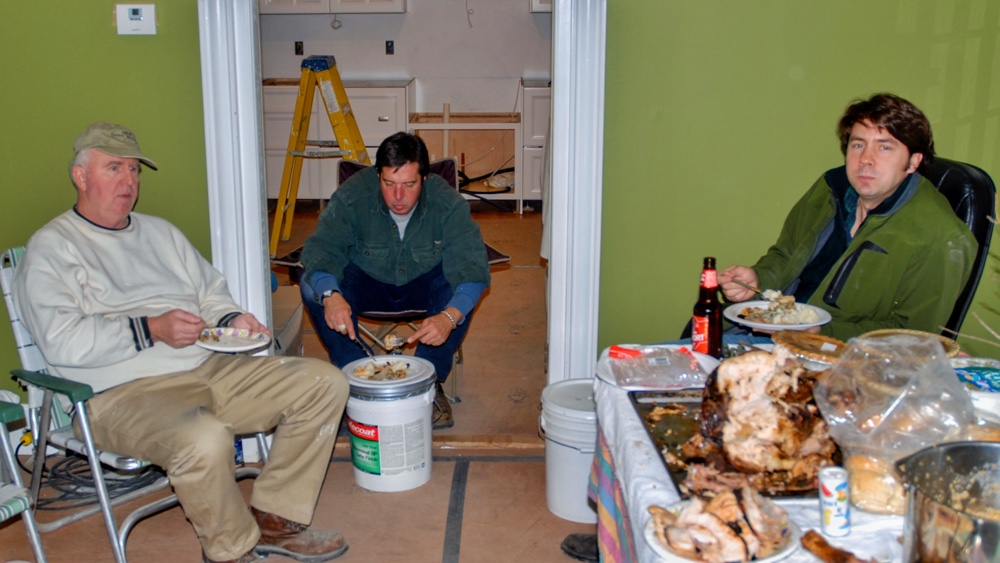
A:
(136, 19)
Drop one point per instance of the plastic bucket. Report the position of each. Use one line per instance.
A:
(569, 425)
(389, 425)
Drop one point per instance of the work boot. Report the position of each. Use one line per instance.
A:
(249, 557)
(442, 417)
(283, 537)
(582, 547)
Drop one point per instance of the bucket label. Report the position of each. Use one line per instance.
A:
(388, 449)
(364, 446)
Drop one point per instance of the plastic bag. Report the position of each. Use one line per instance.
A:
(655, 367)
(885, 399)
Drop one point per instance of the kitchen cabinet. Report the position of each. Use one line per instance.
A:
(380, 107)
(332, 6)
(536, 100)
(423, 123)
(368, 6)
(294, 6)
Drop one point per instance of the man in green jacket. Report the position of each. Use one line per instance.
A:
(872, 242)
(395, 238)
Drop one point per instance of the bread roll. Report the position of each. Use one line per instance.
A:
(874, 485)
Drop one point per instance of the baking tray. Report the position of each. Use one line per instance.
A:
(671, 430)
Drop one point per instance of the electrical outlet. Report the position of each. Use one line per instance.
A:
(299, 49)
(390, 47)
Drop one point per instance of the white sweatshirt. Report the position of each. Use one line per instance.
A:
(84, 291)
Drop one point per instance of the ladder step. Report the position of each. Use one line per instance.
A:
(317, 143)
(319, 72)
(319, 154)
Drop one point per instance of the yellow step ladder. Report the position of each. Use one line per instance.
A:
(318, 71)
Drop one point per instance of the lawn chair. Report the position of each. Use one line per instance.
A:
(48, 397)
(14, 497)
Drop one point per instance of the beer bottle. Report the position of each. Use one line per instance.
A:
(706, 326)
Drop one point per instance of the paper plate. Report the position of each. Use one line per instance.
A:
(232, 340)
(649, 533)
(732, 313)
(420, 375)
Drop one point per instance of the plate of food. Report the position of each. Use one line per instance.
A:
(673, 532)
(388, 371)
(779, 314)
(232, 340)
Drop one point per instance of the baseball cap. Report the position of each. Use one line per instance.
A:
(115, 140)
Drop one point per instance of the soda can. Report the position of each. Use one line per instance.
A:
(238, 443)
(834, 502)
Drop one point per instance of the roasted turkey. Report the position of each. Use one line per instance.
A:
(759, 426)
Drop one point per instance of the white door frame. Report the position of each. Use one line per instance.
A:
(231, 85)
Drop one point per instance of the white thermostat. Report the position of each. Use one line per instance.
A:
(136, 19)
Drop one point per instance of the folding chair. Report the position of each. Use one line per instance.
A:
(14, 497)
(48, 397)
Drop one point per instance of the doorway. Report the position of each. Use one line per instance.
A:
(233, 134)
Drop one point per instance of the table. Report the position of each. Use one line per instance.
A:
(628, 475)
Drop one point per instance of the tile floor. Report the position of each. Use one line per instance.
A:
(485, 501)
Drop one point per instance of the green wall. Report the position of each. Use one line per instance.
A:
(720, 114)
(64, 66)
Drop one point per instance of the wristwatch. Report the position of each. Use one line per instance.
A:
(326, 294)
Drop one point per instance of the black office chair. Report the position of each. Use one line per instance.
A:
(972, 196)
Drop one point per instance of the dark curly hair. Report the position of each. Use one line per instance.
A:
(897, 116)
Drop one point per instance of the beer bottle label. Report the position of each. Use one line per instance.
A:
(699, 334)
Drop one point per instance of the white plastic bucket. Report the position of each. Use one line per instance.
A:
(389, 425)
(569, 424)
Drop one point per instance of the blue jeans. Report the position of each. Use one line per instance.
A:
(430, 292)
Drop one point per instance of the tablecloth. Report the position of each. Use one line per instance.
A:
(634, 468)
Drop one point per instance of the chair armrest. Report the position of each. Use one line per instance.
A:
(76, 392)
(10, 412)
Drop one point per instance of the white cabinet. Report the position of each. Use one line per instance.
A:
(332, 6)
(294, 6)
(536, 100)
(380, 108)
(532, 159)
(540, 5)
(368, 6)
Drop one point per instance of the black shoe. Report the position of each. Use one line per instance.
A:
(442, 417)
(582, 547)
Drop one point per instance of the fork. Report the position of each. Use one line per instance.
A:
(752, 288)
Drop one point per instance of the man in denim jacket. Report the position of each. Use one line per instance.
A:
(394, 238)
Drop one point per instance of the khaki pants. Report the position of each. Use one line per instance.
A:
(186, 422)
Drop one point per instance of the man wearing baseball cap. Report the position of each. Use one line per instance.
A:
(117, 300)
